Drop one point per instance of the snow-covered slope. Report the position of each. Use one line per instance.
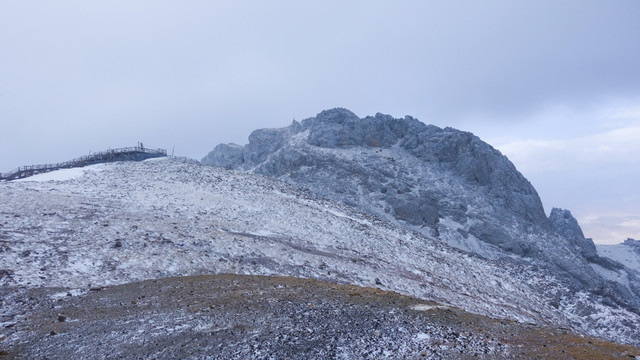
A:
(153, 219)
(626, 253)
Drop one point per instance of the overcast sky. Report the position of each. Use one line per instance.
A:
(554, 85)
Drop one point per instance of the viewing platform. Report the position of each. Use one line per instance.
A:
(137, 153)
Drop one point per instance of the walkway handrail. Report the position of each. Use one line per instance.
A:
(83, 160)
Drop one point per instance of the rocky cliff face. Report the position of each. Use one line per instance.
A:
(388, 150)
(565, 225)
(441, 182)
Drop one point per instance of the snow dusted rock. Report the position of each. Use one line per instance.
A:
(567, 226)
(624, 281)
(389, 144)
(441, 182)
(438, 182)
(225, 155)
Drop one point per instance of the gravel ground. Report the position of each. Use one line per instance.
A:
(261, 317)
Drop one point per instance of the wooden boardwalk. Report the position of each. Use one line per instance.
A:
(137, 153)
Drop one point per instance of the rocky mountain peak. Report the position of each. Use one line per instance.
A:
(283, 152)
(440, 182)
(335, 116)
(339, 128)
(565, 224)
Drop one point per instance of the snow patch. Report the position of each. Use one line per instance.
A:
(155, 159)
(621, 253)
(63, 174)
(63, 294)
(263, 232)
(611, 275)
(427, 307)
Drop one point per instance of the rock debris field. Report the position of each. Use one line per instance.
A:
(270, 317)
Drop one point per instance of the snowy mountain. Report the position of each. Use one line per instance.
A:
(435, 214)
(442, 183)
(116, 223)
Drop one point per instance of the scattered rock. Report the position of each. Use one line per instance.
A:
(255, 317)
(5, 273)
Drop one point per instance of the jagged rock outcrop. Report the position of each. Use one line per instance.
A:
(564, 224)
(625, 291)
(270, 152)
(225, 155)
(440, 181)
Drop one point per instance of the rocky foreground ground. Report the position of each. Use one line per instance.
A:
(261, 317)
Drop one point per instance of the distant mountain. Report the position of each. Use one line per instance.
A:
(626, 253)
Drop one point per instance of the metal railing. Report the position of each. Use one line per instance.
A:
(99, 157)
